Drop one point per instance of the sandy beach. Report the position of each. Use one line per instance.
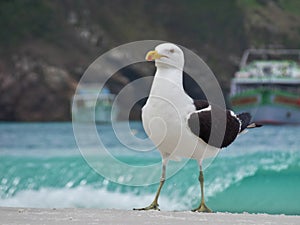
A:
(28, 216)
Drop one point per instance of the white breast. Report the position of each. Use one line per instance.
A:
(165, 122)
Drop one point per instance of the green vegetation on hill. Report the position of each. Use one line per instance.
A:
(28, 19)
(69, 34)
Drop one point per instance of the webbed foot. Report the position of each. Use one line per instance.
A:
(153, 206)
(203, 208)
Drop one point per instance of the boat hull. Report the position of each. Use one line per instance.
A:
(268, 106)
(272, 114)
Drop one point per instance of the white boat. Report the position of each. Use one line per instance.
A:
(268, 86)
(89, 105)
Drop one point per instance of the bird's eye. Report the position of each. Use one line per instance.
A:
(172, 50)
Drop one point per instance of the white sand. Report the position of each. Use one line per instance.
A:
(27, 216)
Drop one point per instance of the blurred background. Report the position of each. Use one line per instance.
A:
(45, 46)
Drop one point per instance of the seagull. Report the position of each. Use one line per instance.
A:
(179, 126)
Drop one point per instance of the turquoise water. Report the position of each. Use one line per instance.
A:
(41, 166)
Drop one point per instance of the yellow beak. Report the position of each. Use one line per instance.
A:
(153, 55)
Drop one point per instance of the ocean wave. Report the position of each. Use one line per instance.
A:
(247, 187)
(84, 197)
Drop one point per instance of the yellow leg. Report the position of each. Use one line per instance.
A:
(202, 207)
(154, 205)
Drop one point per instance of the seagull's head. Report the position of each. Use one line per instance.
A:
(167, 55)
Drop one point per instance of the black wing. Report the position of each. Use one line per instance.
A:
(201, 104)
(245, 119)
(200, 124)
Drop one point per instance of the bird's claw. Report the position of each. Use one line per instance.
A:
(203, 208)
(153, 206)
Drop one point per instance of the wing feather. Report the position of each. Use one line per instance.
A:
(200, 124)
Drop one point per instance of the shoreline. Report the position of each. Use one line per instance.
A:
(63, 216)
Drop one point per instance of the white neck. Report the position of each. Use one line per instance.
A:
(167, 79)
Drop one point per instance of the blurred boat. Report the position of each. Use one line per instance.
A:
(89, 105)
(268, 86)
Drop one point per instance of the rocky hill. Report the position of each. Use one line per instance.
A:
(45, 46)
